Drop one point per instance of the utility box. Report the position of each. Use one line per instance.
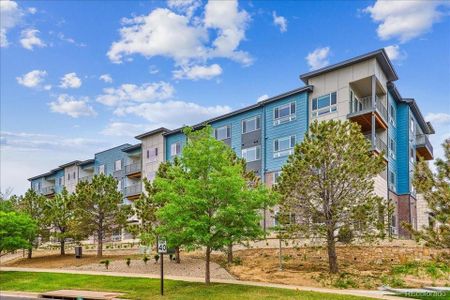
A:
(78, 251)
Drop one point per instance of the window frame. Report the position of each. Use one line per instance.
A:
(275, 176)
(256, 118)
(277, 153)
(256, 154)
(392, 150)
(227, 130)
(177, 145)
(285, 119)
(392, 115)
(102, 169)
(120, 165)
(318, 112)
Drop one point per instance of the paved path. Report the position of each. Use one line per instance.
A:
(363, 293)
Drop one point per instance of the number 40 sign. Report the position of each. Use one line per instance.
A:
(162, 246)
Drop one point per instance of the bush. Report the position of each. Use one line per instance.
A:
(106, 262)
(156, 257)
(344, 281)
(128, 261)
(145, 259)
(237, 261)
(345, 235)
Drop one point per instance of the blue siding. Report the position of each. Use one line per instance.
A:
(402, 148)
(392, 134)
(108, 158)
(297, 127)
(173, 138)
(59, 174)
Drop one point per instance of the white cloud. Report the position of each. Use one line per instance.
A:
(395, 53)
(164, 32)
(32, 10)
(262, 98)
(128, 93)
(173, 113)
(69, 40)
(106, 78)
(318, 58)
(32, 79)
(29, 39)
(70, 80)
(10, 16)
(69, 105)
(438, 118)
(197, 72)
(153, 69)
(187, 7)
(124, 129)
(404, 20)
(279, 21)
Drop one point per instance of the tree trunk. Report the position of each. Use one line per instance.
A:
(207, 274)
(30, 252)
(100, 243)
(230, 253)
(332, 257)
(177, 254)
(63, 242)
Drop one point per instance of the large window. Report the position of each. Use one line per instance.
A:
(251, 124)
(118, 165)
(222, 133)
(324, 105)
(152, 154)
(275, 177)
(101, 169)
(392, 147)
(252, 154)
(392, 180)
(175, 149)
(392, 115)
(283, 146)
(284, 113)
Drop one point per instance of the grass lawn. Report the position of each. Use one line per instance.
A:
(143, 288)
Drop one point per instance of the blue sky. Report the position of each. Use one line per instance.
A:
(80, 76)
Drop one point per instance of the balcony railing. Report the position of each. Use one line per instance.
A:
(422, 141)
(132, 190)
(379, 146)
(48, 190)
(87, 178)
(133, 168)
(364, 105)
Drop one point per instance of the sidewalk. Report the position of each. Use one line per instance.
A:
(362, 293)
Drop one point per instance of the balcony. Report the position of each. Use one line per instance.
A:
(423, 147)
(133, 191)
(87, 178)
(379, 146)
(133, 170)
(361, 112)
(48, 190)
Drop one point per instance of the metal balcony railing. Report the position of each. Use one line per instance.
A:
(132, 190)
(133, 168)
(364, 105)
(379, 146)
(47, 190)
(423, 141)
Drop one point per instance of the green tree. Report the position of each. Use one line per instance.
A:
(32, 204)
(59, 212)
(204, 193)
(435, 189)
(328, 183)
(16, 231)
(99, 208)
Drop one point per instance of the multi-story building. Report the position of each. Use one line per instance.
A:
(360, 89)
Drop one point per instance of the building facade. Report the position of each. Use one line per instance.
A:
(360, 89)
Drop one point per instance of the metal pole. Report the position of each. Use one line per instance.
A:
(162, 274)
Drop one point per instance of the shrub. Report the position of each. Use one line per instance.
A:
(345, 235)
(237, 261)
(156, 257)
(106, 262)
(128, 261)
(344, 281)
(145, 259)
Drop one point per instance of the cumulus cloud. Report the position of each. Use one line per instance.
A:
(32, 79)
(404, 20)
(197, 72)
(106, 78)
(395, 53)
(70, 80)
(10, 16)
(318, 58)
(280, 22)
(29, 39)
(173, 113)
(71, 106)
(262, 98)
(129, 93)
(124, 129)
(173, 32)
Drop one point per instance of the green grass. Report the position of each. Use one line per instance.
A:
(143, 288)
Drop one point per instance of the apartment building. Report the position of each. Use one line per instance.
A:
(360, 89)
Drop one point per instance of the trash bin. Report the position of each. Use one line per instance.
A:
(78, 251)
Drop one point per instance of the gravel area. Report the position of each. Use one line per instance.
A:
(191, 267)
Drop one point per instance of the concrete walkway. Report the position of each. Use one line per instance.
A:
(363, 293)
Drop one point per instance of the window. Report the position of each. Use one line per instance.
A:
(392, 115)
(175, 149)
(152, 154)
(392, 148)
(284, 113)
(252, 154)
(275, 177)
(119, 185)
(412, 125)
(392, 181)
(60, 180)
(222, 133)
(251, 124)
(101, 169)
(411, 154)
(118, 165)
(283, 146)
(324, 105)
(68, 176)
(74, 175)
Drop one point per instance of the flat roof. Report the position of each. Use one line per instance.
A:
(154, 131)
(380, 55)
(132, 147)
(120, 146)
(307, 88)
(75, 162)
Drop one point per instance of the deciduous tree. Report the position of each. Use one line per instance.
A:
(16, 231)
(328, 184)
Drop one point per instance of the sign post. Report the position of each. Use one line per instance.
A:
(162, 249)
